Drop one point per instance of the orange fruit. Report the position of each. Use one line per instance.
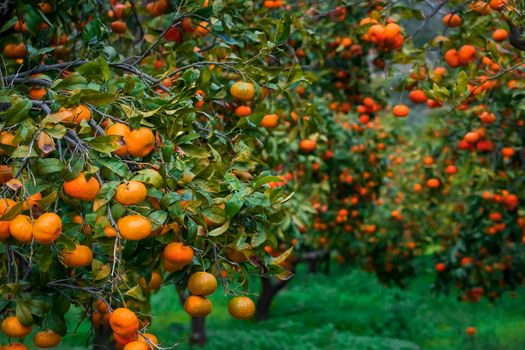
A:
(81, 188)
(153, 284)
(124, 322)
(451, 169)
(417, 96)
(471, 331)
(47, 228)
(243, 111)
(12, 328)
(452, 59)
(46, 339)
(242, 308)
(79, 257)
(144, 338)
(270, 121)
(498, 4)
(15, 51)
(202, 29)
(45, 7)
(202, 283)
(136, 345)
(433, 183)
(21, 228)
(37, 93)
(440, 267)
(472, 136)
(140, 142)
(307, 145)
(109, 231)
(5, 205)
(119, 129)
(32, 201)
(243, 91)
(78, 114)
(507, 152)
(391, 31)
(400, 111)
(178, 254)
(131, 193)
(4, 230)
(120, 340)
(377, 34)
(452, 20)
(134, 227)
(101, 306)
(197, 306)
(119, 27)
(467, 54)
(8, 139)
(500, 35)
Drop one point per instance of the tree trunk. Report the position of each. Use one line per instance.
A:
(198, 325)
(312, 265)
(198, 331)
(269, 290)
(102, 337)
(327, 263)
(262, 310)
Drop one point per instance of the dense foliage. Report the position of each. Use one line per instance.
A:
(179, 142)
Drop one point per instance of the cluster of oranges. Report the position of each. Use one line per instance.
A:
(385, 37)
(13, 328)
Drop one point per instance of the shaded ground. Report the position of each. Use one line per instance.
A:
(348, 310)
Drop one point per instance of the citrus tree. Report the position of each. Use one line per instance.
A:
(456, 192)
(127, 162)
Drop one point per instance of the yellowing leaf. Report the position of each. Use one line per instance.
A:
(14, 184)
(282, 257)
(46, 143)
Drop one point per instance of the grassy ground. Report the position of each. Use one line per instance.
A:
(348, 310)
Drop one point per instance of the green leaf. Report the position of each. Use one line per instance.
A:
(266, 179)
(105, 144)
(158, 218)
(99, 270)
(23, 313)
(218, 5)
(135, 293)
(220, 230)
(94, 31)
(107, 191)
(461, 84)
(114, 165)
(96, 98)
(17, 111)
(215, 214)
(232, 207)
(24, 152)
(195, 151)
(13, 212)
(49, 166)
(283, 256)
(259, 238)
(150, 176)
(7, 25)
(56, 323)
(73, 81)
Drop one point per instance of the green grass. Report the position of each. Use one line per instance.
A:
(346, 310)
